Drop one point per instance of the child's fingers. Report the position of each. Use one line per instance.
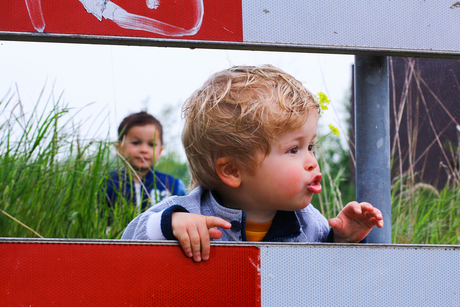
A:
(352, 208)
(379, 223)
(195, 243)
(336, 223)
(213, 221)
(194, 233)
(210, 232)
(184, 241)
(366, 206)
(215, 233)
(205, 243)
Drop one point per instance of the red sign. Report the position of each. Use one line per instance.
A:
(185, 19)
(82, 274)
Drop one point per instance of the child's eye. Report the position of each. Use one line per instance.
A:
(293, 150)
(151, 144)
(311, 147)
(135, 142)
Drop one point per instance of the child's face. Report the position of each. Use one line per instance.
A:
(141, 147)
(289, 176)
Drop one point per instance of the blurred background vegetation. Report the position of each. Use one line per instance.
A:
(52, 182)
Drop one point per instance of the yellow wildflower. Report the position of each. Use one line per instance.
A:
(334, 130)
(323, 101)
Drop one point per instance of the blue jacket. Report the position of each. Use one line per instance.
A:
(166, 185)
(306, 225)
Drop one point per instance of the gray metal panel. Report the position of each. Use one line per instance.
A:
(360, 275)
(417, 25)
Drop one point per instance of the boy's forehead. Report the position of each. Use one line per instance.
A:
(297, 121)
(149, 128)
(308, 126)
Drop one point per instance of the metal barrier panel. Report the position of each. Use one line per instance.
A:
(91, 273)
(360, 275)
(55, 272)
(380, 27)
(391, 26)
(93, 20)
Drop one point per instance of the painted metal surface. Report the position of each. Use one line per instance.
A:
(417, 26)
(372, 129)
(93, 20)
(57, 272)
(424, 28)
(360, 275)
(79, 273)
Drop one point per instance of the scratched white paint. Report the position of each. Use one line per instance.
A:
(95, 7)
(136, 22)
(109, 10)
(152, 4)
(34, 7)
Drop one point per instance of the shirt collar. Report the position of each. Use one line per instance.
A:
(285, 224)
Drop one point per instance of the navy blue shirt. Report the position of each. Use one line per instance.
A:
(165, 185)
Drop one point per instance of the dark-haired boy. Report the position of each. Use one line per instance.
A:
(140, 143)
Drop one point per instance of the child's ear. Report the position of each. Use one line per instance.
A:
(228, 172)
(157, 156)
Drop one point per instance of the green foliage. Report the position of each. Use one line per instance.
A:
(420, 213)
(171, 164)
(52, 184)
(425, 215)
(334, 164)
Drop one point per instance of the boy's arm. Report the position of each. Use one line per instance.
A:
(179, 188)
(355, 221)
(193, 231)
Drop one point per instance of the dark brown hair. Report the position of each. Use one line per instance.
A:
(138, 119)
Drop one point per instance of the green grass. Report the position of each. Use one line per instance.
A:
(52, 185)
(52, 181)
(420, 213)
(424, 215)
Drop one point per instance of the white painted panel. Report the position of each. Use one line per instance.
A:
(360, 275)
(425, 26)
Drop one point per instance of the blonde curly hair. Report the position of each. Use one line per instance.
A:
(237, 113)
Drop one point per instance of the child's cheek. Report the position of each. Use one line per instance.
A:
(290, 181)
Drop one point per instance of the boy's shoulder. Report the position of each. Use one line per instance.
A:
(164, 176)
(166, 181)
(310, 212)
(313, 223)
(191, 202)
(198, 201)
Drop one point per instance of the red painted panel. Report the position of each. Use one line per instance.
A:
(222, 20)
(66, 274)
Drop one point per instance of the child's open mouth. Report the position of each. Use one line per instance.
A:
(315, 185)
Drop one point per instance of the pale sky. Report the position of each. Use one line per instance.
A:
(118, 80)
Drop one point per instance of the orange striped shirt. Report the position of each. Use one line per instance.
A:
(256, 231)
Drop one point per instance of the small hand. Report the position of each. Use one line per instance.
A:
(194, 232)
(355, 221)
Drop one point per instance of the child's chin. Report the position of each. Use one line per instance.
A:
(299, 207)
(142, 168)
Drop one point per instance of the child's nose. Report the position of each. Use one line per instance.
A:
(145, 147)
(310, 163)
